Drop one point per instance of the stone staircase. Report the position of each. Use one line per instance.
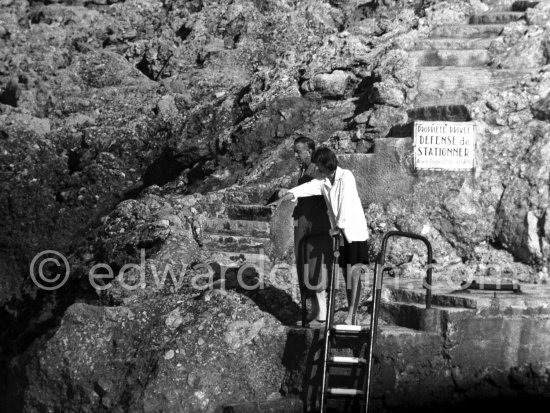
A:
(241, 237)
(454, 65)
(454, 61)
(407, 308)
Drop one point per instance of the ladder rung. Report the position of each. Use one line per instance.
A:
(345, 392)
(348, 360)
(345, 328)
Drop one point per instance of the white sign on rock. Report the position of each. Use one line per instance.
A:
(444, 145)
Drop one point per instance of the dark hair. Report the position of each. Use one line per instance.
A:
(310, 143)
(325, 157)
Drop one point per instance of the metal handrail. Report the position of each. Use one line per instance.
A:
(377, 293)
(330, 314)
(427, 283)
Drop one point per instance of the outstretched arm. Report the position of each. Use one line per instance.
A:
(287, 197)
(307, 189)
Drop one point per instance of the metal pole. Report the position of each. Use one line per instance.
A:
(377, 292)
(330, 316)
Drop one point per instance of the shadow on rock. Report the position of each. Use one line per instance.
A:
(268, 298)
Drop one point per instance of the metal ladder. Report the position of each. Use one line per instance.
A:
(368, 333)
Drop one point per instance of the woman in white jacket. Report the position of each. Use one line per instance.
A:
(347, 220)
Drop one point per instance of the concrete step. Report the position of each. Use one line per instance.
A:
(456, 85)
(452, 43)
(417, 317)
(451, 113)
(249, 212)
(404, 304)
(467, 30)
(497, 17)
(443, 57)
(236, 227)
(453, 294)
(418, 296)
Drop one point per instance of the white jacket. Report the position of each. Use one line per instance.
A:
(344, 206)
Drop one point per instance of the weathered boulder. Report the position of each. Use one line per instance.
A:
(331, 85)
(176, 354)
(521, 217)
(538, 15)
(451, 12)
(520, 47)
(187, 334)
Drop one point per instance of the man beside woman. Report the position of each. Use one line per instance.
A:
(347, 221)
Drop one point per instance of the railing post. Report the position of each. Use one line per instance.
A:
(427, 283)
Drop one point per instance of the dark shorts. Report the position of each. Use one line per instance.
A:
(353, 259)
(352, 253)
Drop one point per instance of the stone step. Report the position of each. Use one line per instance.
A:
(455, 85)
(467, 30)
(453, 294)
(452, 43)
(236, 227)
(418, 296)
(443, 57)
(417, 317)
(249, 212)
(459, 97)
(450, 113)
(454, 78)
(238, 259)
(235, 243)
(497, 17)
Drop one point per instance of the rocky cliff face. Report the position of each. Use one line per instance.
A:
(127, 126)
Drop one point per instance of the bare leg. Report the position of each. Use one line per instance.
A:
(321, 304)
(314, 309)
(353, 292)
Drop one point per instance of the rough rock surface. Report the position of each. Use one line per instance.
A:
(172, 354)
(124, 125)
